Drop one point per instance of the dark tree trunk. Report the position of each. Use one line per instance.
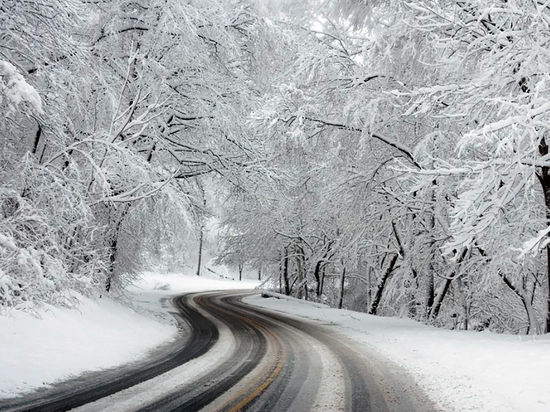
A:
(547, 323)
(443, 292)
(199, 264)
(369, 292)
(544, 178)
(280, 273)
(112, 258)
(201, 234)
(319, 270)
(381, 285)
(317, 276)
(430, 291)
(300, 264)
(37, 139)
(439, 299)
(285, 274)
(113, 247)
(430, 282)
(342, 281)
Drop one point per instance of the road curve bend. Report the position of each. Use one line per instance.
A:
(236, 357)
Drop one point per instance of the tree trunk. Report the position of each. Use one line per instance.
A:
(300, 266)
(439, 298)
(443, 291)
(547, 323)
(322, 278)
(317, 276)
(430, 282)
(199, 264)
(299, 294)
(280, 273)
(285, 273)
(369, 292)
(465, 303)
(241, 267)
(533, 328)
(430, 290)
(201, 220)
(544, 178)
(526, 301)
(342, 281)
(318, 273)
(113, 247)
(381, 285)
(543, 174)
(112, 259)
(37, 139)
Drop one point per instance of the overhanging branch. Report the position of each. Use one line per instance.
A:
(389, 141)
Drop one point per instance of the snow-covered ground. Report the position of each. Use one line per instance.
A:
(460, 371)
(61, 343)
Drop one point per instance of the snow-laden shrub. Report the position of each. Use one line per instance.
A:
(46, 240)
(31, 265)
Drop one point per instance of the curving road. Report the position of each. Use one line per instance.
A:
(234, 357)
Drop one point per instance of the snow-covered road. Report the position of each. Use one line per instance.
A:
(272, 363)
(42, 348)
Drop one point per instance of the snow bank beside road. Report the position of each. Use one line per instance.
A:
(65, 342)
(460, 371)
(62, 343)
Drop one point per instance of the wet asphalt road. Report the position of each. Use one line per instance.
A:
(273, 366)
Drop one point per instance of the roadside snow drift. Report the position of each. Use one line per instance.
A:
(65, 342)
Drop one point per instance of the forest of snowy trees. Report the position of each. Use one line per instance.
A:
(384, 156)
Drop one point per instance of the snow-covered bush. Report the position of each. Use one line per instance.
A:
(46, 240)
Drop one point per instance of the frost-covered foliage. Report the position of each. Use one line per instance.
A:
(39, 260)
(112, 113)
(432, 196)
(387, 156)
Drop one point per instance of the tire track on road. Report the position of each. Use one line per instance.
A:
(80, 391)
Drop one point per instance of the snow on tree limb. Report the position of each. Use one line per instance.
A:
(16, 90)
(387, 140)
